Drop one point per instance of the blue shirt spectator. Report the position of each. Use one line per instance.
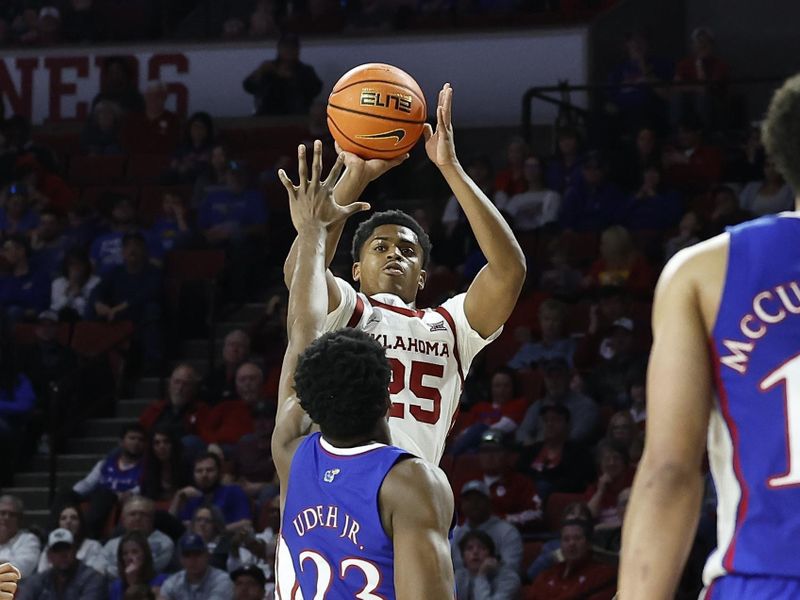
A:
(653, 207)
(106, 251)
(232, 212)
(116, 591)
(230, 499)
(24, 292)
(17, 217)
(20, 401)
(591, 204)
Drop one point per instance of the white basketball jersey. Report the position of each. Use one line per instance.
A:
(429, 351)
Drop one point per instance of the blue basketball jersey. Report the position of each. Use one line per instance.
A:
(754, 431)
(331, 523)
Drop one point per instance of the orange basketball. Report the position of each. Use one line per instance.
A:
(376, 111)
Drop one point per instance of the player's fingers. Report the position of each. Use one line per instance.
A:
(399, 160)
(9, 587)
(287, 183)
(355, 207)
(9, 568)
(336, 169)
(302, 167)
(440, 123)
(427, 131)
(448, 105)
(440, 99)
(316, 164)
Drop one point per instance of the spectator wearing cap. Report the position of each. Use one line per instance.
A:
(208, 489)
(197, 579)
(592, 203)
(476, 507)
(24, 292)
(134, 566)
(502, 412)
(555, 463)
(608, 380)
(580, 575)
(220, 384)
(68, 579)
(154, 131)
(583, 413)
(615, 475)
(248, 583)
(70, 293)
(17, 546)
(552, 343)
(284, 85)
(620, 264)
(89, 552)
(514, 495)
(107, 249)
(17, 216)
(482, 576)
(692, 165)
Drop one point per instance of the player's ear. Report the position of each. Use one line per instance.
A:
(423, 277)
(356, 271)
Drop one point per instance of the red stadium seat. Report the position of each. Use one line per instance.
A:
(531, 383)
(554, 508)
(25, 333)
(147, 168)
(584, 246)
(501, 350)
(194, 265)
(94, 195)
(92, 338)
(96, 170)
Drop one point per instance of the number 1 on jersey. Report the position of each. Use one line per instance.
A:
(789, 374)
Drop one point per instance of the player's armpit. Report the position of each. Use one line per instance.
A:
(417, 509)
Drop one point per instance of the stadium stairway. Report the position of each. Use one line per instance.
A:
(102, 435)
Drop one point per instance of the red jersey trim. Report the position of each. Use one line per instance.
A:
(355, 318)
(449, 318)
(400, 310)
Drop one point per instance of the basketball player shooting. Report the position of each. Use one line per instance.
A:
(9, 576)
(725, 369)
(360, 518)
(430, 351)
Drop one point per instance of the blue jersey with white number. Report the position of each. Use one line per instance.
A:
(754, 433)
(331, 523)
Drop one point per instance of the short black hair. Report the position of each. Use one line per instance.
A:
(342, 382)
(132, 427)
(391, 217)
(483, 537)
(781, 131)
(208, 456)
(588, 529)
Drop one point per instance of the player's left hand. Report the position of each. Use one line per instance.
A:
(366, 170)
(311, 202)
(9, 576)
(439, 144)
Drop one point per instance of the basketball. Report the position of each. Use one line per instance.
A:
(376, 111)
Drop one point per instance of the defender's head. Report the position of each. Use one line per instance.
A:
(342, 382)
(781, 131)
(390, 253)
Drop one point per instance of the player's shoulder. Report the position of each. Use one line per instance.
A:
(414, 483)
(697, 263)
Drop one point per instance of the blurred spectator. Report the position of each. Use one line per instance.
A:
(653, 206)
(83, 224)
(553, 343)
(45, 189)
(154, 131)
(620, 264)
(580, 575)
(550, 553)
(138, 514)
(194, 154)
(623, 430)
(257, 550)
(70, 293)
(688, 234)
(18, 216)
(248, 583)
(476, 507)
(482, 576)
(81, 23)
(583, 412)
(181, 412)
(112, 479)
(24, 292)
(591, 203)
(772, 195)
(702, 66)
(209, 523)
(284, 86)
(17, 402)
(207, 489)
(615, 475)
(747, 164)
(106, 251)
(135, 566)
(560, 277)
(68, 579)
(609, 538)
(118, 85)
(172, 230)
(535, 207)
(20, 146)
(197, 579)
(215, 179)
(502, 412)
(17, 546)
(645, 151)
(165, 470)
(49, 244)
(89, 552)
(479, 169)
(262, 20)
(555, 463)
(635, 98)
(563, 171)
(693, 165)
(618, 358)
(101, 133)
(252, 459)
(511, 180)
(220, 384)
(726, 211)
(637, 391)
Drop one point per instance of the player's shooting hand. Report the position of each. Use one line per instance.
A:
(311, 202)
(367, 170)
(9, 576)
(439, 144)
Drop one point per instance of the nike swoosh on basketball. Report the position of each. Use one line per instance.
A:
(394, 133)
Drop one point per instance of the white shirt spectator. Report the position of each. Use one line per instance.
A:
(751, 199)
(61, 298)
(530, 210)
(22, 551)
(507, 540)
(216, 585)
(90, 553)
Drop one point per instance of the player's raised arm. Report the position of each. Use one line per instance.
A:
(313, 211)
(357, 175)
(417, 504)
(664, 506)
(494, 292)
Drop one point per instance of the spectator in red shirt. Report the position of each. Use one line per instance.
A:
(503, 412)
(579, 576)
(615, 476)
(693, 166)
(511, 179)
(620, 264)
(157, 130)
(46, 189)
